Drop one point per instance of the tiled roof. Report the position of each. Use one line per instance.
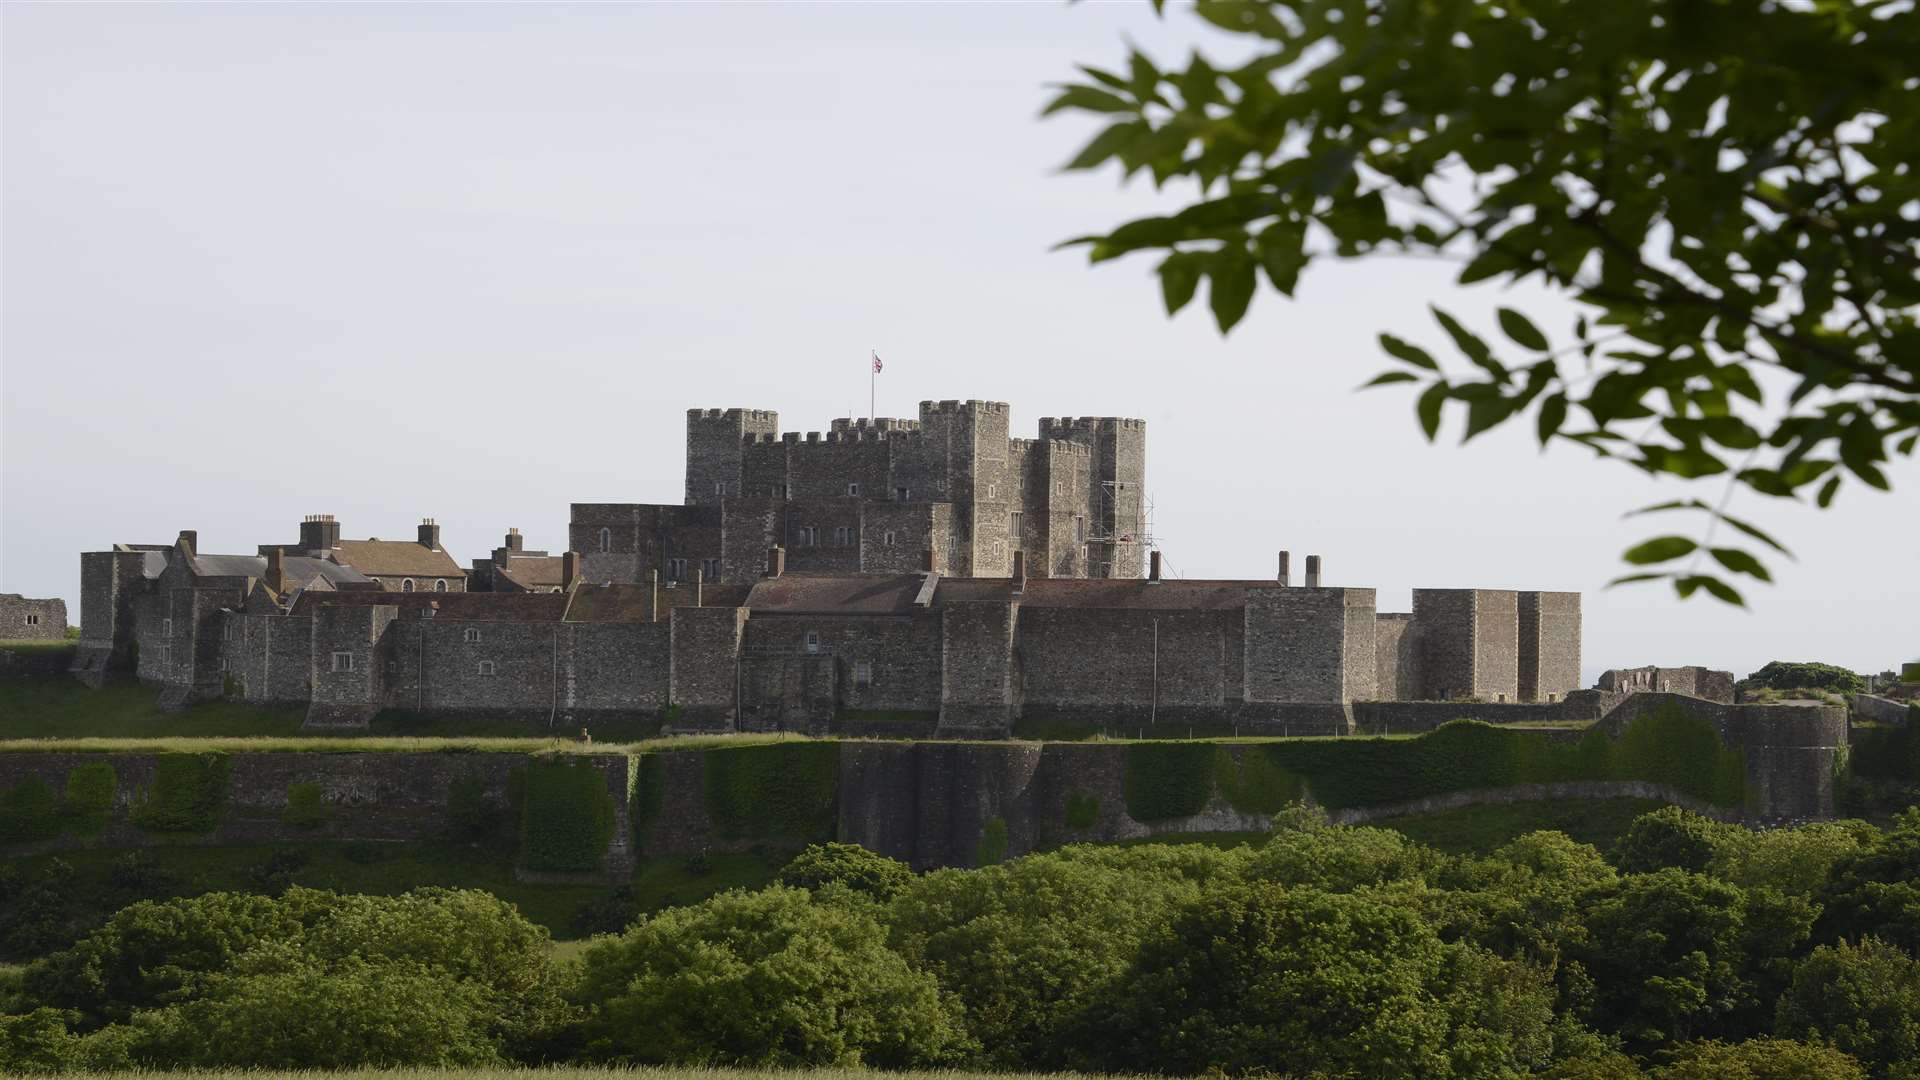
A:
(402, 558)
(798, 593)
(534, 571)
(628, 603)
(300, 569)
(473, 607)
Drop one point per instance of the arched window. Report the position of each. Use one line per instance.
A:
(406, 584)
(439, 584)
(470, 634)
(486, 667)
(606, 539)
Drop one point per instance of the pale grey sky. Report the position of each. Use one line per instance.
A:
(475, 262)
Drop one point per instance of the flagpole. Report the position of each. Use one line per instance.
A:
(873, 382)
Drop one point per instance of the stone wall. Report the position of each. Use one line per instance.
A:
(1296, 641)
(24, 619)
(1878, 710)
(1549, 645)
(705, 666)
(1396, 657)
(1095, 657)
(1695, 681)
(976, 664)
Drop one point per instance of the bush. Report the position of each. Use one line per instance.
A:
(1760, 1059)
(766, 979)
(189, 792)
(306, 806)
(850, 865)
(1863, 999)
(1672, 837)
(471, 814)
(780, 791)
(1785, 675)
(1255, 782)
(1301, 982)
(28, 812)
(89, 796)
(1339, 858)
(566, 816)
(1083, 809)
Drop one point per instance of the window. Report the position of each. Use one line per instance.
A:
(901, 494)
(33, 620)
(343, 661)
(226, 664)
(862, 675)
(486, 667)
(853, 489)
(166, 627)
(843, 536)
(1079, 530)
(406, 584)
(719, 487)
(710, 569)
(809, 536)
(427, 612)
(993, 491)
(606, 540)
(887, 538)
(813, 641)
(439, 584)
(470, 634)
(1016, 525)
(676, 569)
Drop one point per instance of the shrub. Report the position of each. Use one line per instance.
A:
(1303, 982)
(1255, 782)
(1863, 999)
(1760, 1059)
(1168, 779)
(28, 812)
(1339, 858)
(1672, 837)
(89, 796)
(779, 791)
(1786, 675)
(306, 806)
(850, 865)
(471, 813)
(566, 816)
(766, 979)
(189, 792)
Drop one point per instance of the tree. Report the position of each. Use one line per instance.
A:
(1863, 999)
(1787, 675)
(1300, 982)
(1671, 836)
(1875, 892)
(1720, 190)
(851, 865)
(1759, 1059)
(763, 979)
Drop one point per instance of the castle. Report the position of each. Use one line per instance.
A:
(938, 576)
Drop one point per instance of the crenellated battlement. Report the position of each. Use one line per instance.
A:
(1062, 427)
(882, 423)
(758, 416)
(955, 408)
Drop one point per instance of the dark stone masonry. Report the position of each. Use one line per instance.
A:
(934, 575)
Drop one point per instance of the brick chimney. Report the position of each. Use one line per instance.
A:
(1286, 567)
(569, 569)
(1019, 573)
(515, 542)
(429, 533)
(319, 532)
(1153, 566)
(1313, 571)
(277, 571)
(776, 561)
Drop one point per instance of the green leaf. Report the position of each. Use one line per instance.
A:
(1386, 377)
(1429, 408)
(1179, 277)
(1755, 533)
(1232, 288)
(1412, 354)
(1629, 579)
(1088, 99)
(1660, 549)
(1553, 414)
(1740, 562)
(1521, 330)
(1676, 504)
(1720, 590)
(1469, 343)
(1825, 497)
(1114, 140)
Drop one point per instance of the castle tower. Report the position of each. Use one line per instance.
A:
(965, 447)
(716, 449)
(1116, 503)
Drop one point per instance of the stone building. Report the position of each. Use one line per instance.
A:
(1693, 681)
(417, 565)
(875, 496)
(513, 568)
(24, 619)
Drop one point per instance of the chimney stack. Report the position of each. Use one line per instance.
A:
(1019, 572)
(190, 539)
(776, 561)
(429, 533)
(319, 532)
(1313, 571)
(1286, 567)
(515, 542)
(570, 569)
(699, 585)
(653, 596)
(277, 570)
(1153, 566)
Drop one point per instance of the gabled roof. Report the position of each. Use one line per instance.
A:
(397, 558)
(300, 569)
(532, 572)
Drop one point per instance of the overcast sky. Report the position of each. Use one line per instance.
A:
(475, 262)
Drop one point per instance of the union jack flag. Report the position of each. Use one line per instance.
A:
(876, 363)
